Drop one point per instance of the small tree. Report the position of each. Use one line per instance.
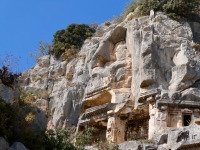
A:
(71, 38)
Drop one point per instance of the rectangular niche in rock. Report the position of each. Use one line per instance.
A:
(186, 119)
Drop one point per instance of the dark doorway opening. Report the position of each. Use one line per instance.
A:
(186, 120)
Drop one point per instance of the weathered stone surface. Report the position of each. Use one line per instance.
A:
(183, 76)
(133, 145)
(179, 137)
(180, 58)
(17, 146)
(118, 35)
(103, 52)
(146, 68)
(3, 144)
(44, 61)
(192, 94)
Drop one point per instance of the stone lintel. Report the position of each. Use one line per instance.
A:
(177, 103)
(150, 93)
(94, 119)
(97, 91)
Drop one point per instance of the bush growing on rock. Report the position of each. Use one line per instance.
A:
(175, 9)
(71, 38)
(180, 8)
(15, 125)
(58, 140)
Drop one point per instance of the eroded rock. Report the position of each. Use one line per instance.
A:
(133, 82)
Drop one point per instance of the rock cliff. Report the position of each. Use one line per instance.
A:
(140, 78)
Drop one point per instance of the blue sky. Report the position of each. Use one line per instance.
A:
(24, 23)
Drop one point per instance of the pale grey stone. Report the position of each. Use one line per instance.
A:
(118, 35)
(44, 61)
(131, 145)
(3, 144)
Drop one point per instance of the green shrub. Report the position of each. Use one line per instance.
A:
(84, 138)
(143, 7)
(180, 8)
(72, 37)
(175, 9)
(58, 140)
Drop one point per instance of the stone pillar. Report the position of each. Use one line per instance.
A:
(161, 119)
(179, 120)
(110, 129)
(152, 126)
(116, 130)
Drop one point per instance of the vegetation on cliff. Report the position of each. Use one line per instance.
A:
(70, 39)
(15, 125)
(175, 9)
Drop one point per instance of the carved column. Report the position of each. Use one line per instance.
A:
(161, 119)
(116, 130)
(152, 126)
(179, 120)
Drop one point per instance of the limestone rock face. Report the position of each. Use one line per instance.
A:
(162, 54)
(133, 82)
(102, 68)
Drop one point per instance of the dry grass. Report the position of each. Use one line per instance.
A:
(107, 23)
